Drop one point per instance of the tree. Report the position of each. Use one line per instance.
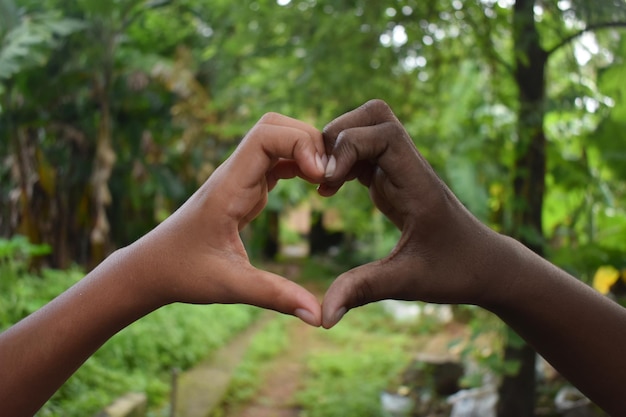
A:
(494, 92)
(27, 41)
(531, 58)
(99, 105)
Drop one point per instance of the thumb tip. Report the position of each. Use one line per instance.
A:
(330, 320)
(308, 317)
(331, 166)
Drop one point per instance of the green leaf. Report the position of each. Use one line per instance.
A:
(30, 42)
(64, 27)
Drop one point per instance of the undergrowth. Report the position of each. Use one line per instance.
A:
(361, 359)
(139, 358)
(267, 344)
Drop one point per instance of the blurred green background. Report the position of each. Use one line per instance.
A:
(113, 112)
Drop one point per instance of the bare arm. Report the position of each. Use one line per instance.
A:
(579, 331)
(195, 256)
(445, 255)
(39, 353)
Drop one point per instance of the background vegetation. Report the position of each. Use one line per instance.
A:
(112, 113)
(139, 359)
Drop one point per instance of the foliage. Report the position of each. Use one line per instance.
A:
(136, 359)
(21, 297)
(483, 352)
(186, 81)
(146, 97)
(140, 357)
(15, 255)
(27, 41)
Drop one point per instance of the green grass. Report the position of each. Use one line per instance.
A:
(141, 357)
(363, 356)
(355, 361)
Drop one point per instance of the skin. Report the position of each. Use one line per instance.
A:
(195, 256)
(445, 255)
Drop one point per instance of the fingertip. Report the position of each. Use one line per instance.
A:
(313, 154)
(330, 319)
(308, 317)
(331, 167)
(311, 164)
(308, 308)
(268, 290)
(326, 190)
(319, 163)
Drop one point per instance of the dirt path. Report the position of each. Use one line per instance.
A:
(282, 378)
(201, 389)
(285, 375)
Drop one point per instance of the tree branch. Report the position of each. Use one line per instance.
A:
(487, 41)
(589, 28)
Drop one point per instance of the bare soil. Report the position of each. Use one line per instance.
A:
(282, 377)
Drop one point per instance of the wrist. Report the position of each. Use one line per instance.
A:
(505, 261)
(496, 256)
(131, 276)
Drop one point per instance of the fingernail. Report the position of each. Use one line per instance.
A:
(324, 160)
(339, 315)
(306, 316)
(330, 168)
(320, 163)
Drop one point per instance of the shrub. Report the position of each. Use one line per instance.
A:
(139, 358)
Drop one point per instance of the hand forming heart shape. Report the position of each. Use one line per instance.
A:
(368, 144)
(444, 255)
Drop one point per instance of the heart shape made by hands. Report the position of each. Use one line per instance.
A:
(371, 145)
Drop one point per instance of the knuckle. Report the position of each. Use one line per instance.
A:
(345, 147)
(363, 293)
(255, 134)
(377, 107)
(377, 104)
(377, 112)
(269, 117)
(330, 132)
(396, 130)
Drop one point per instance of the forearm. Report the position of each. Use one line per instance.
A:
(579, 331)
(35, 354)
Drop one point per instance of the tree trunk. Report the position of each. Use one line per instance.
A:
(104, 158)
(517, 392)
(101, 195)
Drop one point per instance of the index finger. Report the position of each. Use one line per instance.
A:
(278, 119)
(273, 138)
(369, 133)
(369, 114)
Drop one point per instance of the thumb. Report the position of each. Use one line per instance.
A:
(362, 285)
(271, 291)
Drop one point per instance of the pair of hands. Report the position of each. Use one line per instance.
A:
(444, 255)
(197, 256)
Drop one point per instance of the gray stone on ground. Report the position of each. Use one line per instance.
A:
(133, 404)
